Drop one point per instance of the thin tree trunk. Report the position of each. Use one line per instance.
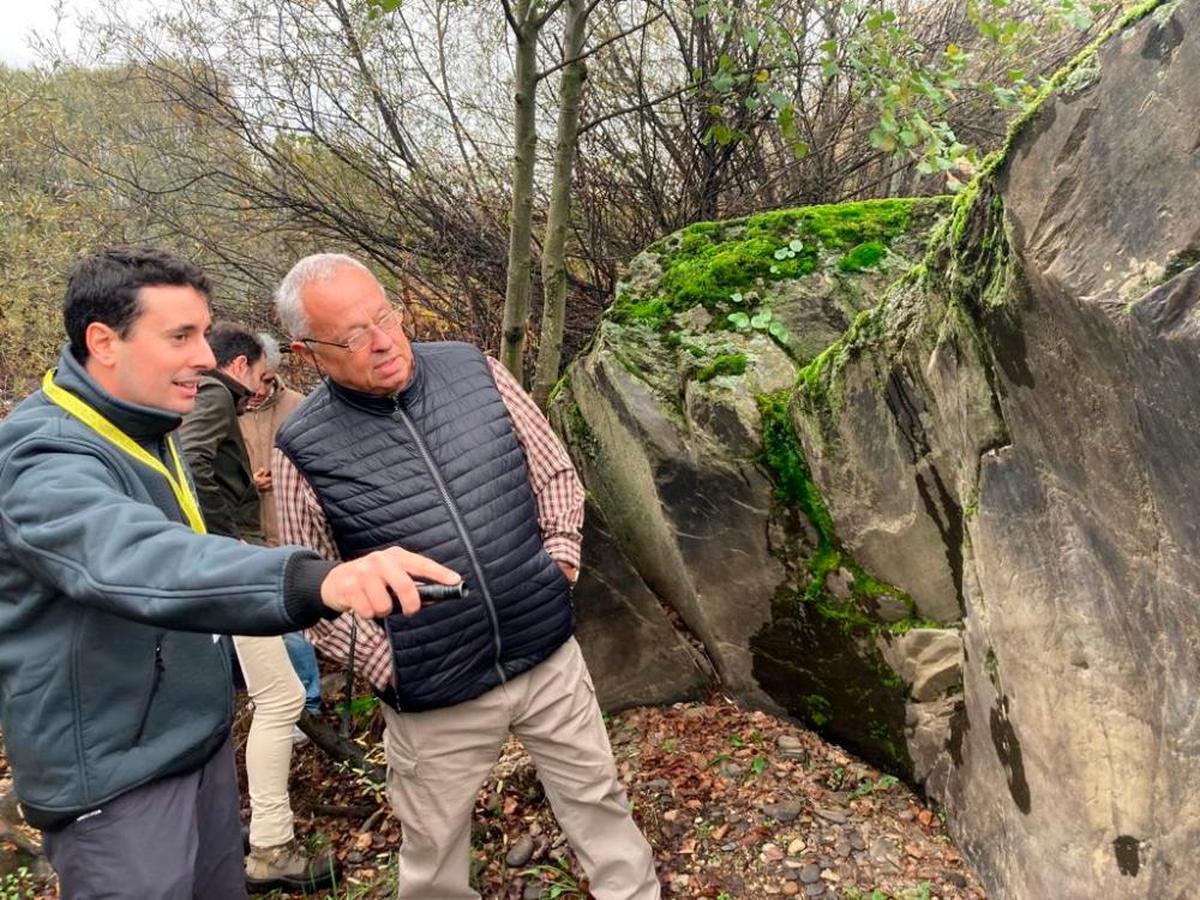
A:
(520, 263)
(554, 272)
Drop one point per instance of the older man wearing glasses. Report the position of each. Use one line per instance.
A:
(435, 448)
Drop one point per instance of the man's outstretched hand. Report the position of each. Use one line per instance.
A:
(362, 584)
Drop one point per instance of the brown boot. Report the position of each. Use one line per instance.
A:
(287, 866)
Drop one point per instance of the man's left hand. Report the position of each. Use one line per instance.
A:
(569, 571)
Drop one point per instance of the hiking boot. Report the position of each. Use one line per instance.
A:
(287, 866)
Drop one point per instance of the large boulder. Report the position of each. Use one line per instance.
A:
(949, 513)
(676, 417)
(1017, 433)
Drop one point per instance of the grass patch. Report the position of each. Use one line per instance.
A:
(725, 364)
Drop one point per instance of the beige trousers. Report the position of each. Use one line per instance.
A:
(438, 760)
(278, 699)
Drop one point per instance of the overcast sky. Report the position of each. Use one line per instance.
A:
(20, 18)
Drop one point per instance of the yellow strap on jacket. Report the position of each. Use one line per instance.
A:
(114, 435)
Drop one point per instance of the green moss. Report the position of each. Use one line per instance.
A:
(561, 385)
(906, 625)
(581, 433)
(652, 312)
(706, 263)
(863, 256)
(784, 456)
(725, 364)
(816, 385)
(705, 272)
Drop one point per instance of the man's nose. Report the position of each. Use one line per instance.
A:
(204, 358)
(380, 339)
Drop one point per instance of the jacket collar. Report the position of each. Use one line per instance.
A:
(380, 404)
(139, 422)
(241, 393)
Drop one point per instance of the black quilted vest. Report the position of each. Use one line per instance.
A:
(437, 469)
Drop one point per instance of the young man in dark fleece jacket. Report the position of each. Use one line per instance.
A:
(115, 695)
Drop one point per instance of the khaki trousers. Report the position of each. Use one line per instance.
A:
(438, 760)
(278, 698)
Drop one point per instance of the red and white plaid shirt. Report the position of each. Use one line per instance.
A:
(556, 489)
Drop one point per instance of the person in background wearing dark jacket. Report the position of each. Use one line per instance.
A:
(436, 448)
(265, 412)
(115, 695)
(216, 453)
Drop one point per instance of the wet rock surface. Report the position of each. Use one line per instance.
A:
(970, 549)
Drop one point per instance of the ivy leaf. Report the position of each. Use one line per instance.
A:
(781, 253)
(796, 244)
(882, 141)
(739, 320)
(736, 297)
(722, 134)
(774, 270)
(778, 331)
(761, 320)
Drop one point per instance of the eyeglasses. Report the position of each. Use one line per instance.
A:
(359, 339)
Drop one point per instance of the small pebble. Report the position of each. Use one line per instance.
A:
(786, 811)
(520, 852)
(832, 815)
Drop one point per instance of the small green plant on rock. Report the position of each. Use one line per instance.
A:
(724, 364)
(762, 320)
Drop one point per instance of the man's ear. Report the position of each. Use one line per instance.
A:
(302, 350)
(237, 366)
(101, 343)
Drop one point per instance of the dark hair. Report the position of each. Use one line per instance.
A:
(229, 341)
(104, 288)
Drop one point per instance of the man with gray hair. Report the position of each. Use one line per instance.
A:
(435, 448)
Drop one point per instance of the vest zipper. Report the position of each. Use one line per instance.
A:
(401, 416)
(159, 669)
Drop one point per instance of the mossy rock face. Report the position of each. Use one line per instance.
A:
(678, 420)
(1012, 438)
(980, 489)
(788, 261)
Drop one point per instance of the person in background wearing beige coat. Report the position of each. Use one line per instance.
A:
(265, 411)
